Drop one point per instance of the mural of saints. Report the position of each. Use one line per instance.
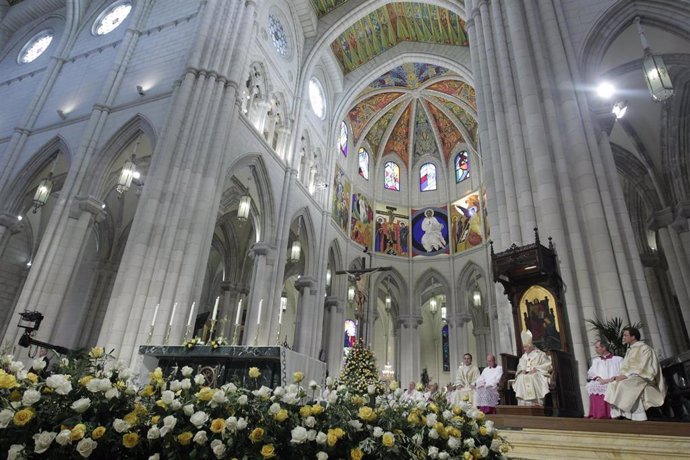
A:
(466, 223)
(392, 231)
(362, 218)
(429, 231)
(341, 199)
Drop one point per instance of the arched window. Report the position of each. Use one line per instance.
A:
(427, 177)
(364, 163)
(462, 166)
(391, 176)
(342, 139)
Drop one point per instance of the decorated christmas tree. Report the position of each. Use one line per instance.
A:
(360, 370)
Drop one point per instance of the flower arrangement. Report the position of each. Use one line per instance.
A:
(89, 408)
(191, 343)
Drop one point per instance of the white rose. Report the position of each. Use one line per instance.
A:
(310, 422)
(200, 437)
(16, 366)
(299, 435)
(198, 418)
(231, 424)
(332, 397)
(453, 443)
(6, 417)
(92, 385)
(279, 391)
(430, 420)
(167, 397)
(447, 414)
(263, 392)
(433, 434)
(489, 424)
(186, 384)
(469, 442)
(31, 397)
(187, 371)
(125, 374)
(313, 385)
(176, 405)
(64, 362)
(378, 432)
(356, 424)
(155, 456)
(199, 379)
(80, 405)
(371, 389)
(188, 410)
(311, 435)
(14, 451)
(153, 433)
(218, 448)
(443, 455)
(169, 422)
(104, 385)
(321, 455)
(241, 423)
(242, 400)
(321, 438)
(120, 425)
(59, 383)
(43, 440)
(86, 446)
(417, 439)
(63, 438)
(39, 364)
(112, 393)
(219, 397)
(175, 385)
(433, 452)
(483, 451)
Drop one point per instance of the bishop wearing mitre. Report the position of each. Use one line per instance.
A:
(533, 374)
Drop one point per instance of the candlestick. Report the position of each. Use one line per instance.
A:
(172, 315)
(191, 314)
(155, 313)
(210, 332)
(215, 309)
(224, 322)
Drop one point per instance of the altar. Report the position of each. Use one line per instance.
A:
(227, 364)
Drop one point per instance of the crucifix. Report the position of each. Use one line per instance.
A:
(362, 287)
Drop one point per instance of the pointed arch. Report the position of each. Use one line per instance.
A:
(472, 277)
(431, 283)
(308, 240)
(393, 282)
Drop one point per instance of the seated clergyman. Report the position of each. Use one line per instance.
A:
(533, 374)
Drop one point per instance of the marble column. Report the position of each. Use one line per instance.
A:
(307, 335)
(257, 324)
(336, 321)
(662, 304)
(410, 348)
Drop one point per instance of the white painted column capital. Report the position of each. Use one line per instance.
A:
(90, 205)
(306, 282)
(261, 248)
(409, 321)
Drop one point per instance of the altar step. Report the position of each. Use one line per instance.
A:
(535, 438)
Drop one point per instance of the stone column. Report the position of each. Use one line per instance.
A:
(257, 329)
(97, 302)
(307, 338)
(410, 347)
(9, 225)
(336, 321)
(663, 306)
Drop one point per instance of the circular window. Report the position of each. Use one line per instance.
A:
(35, 47)
(278, 36)
(318, 105)
(112, 17)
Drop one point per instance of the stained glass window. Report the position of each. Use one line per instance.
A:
(35, 47)
(350, 335)
(445, 348)
(462, 166)
(342, 140)
(427, 177)
(278, 35)
(364, 163)
(391, 176)
(112, 17)
(316, 99)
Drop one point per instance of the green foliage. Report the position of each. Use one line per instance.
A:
(612, 331)
(360, 371)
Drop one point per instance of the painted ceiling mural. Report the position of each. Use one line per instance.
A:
(390, 25)
(323, 7)
(422, 106)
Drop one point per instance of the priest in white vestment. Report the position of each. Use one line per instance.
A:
(465, 380)
(533, 374)
(486, 396)
(640, 383)
(604, 367)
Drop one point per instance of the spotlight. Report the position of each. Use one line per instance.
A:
(140, 90)
(619, 109)
(605, 90)
(62, 114)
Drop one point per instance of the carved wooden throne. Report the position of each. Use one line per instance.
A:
(529, 275)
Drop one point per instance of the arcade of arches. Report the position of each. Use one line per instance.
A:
(180, 151)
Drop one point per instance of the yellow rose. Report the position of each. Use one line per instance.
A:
(7, 381)
(256, 435)
(139, 409)
(413, 419)
(457, 410)
(96, 352)
(452, 431)
(23, 417)
(84, 380)
(356, 454)
(316, 409)
(33, 378)
(433, 407)
(268, 451)
(217, 425)
(305, 411)
(15, 396)
(130, 440)
(131, 418)
(339, 432)
(504, 448)
(467, 456)
(393, 385)
(155, 419)
(388, 439)
(281, 415)
(205, 394)
(483, 431)
(331, 438)
(367, 413)
(148, 390)
(185, 438)
(77, 432)
(254, 372)
(297, 377)
(98, 432)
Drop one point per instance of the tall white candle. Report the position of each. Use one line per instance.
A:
(155, 313)
(172, 315)
(239, 312)
(191, 314)
(258, 318)
(215, 309)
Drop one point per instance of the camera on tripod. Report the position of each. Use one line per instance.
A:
(30, 321)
